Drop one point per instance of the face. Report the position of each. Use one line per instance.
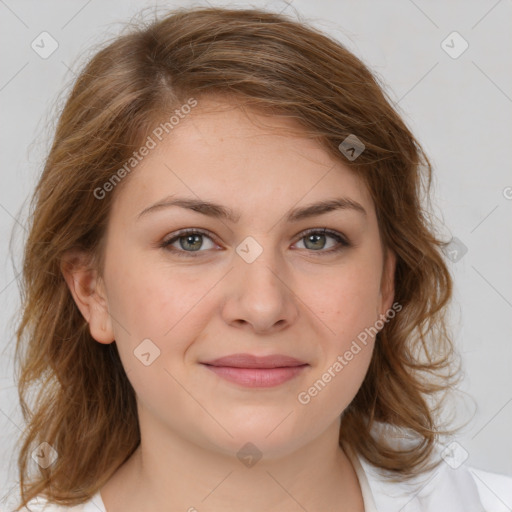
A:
(266, 281)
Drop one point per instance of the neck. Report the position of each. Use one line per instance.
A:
(167, 472)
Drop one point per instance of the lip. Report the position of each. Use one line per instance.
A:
(251, 361)
(256, 371)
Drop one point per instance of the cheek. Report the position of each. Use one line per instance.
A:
(148, 305)
(348, 302)
(140, 292)
(349, 310)
(157, 302)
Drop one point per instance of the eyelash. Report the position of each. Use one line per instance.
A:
(342, 241)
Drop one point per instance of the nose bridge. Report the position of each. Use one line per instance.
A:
(259, 263)
(259, 294)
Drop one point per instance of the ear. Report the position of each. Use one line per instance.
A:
(387, 285)
(89, 294)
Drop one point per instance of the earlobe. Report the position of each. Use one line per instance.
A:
(89, 295)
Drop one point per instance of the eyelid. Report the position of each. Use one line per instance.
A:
(325, 231)
(186, 231)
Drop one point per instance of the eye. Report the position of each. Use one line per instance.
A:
(189, 240)
(315, 239)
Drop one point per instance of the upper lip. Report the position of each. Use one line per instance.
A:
(250, 361)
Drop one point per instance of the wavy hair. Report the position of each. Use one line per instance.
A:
(85, 406)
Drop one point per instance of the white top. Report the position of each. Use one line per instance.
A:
(451, 487)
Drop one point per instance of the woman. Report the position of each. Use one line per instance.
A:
(233, 297)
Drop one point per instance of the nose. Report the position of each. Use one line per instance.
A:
(259, 295)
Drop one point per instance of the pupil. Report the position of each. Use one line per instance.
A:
(318, 237)
(190, 239)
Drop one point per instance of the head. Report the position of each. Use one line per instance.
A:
(249, 119)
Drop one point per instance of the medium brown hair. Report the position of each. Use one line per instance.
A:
(85, 407)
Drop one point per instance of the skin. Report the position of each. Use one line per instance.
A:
(295, 299)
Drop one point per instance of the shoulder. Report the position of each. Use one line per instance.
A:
(40, 504)
(495, 490)
(451, 485)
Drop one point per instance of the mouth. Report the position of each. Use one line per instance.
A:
(256, 371)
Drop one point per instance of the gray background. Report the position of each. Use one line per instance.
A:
(459, 108)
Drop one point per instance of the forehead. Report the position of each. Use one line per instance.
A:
(242, 159)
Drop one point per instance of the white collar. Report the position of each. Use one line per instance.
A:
(442, 488)
(369, 502)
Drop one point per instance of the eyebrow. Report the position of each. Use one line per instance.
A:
(221, 212)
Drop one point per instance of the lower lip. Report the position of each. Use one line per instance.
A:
(257, 377)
